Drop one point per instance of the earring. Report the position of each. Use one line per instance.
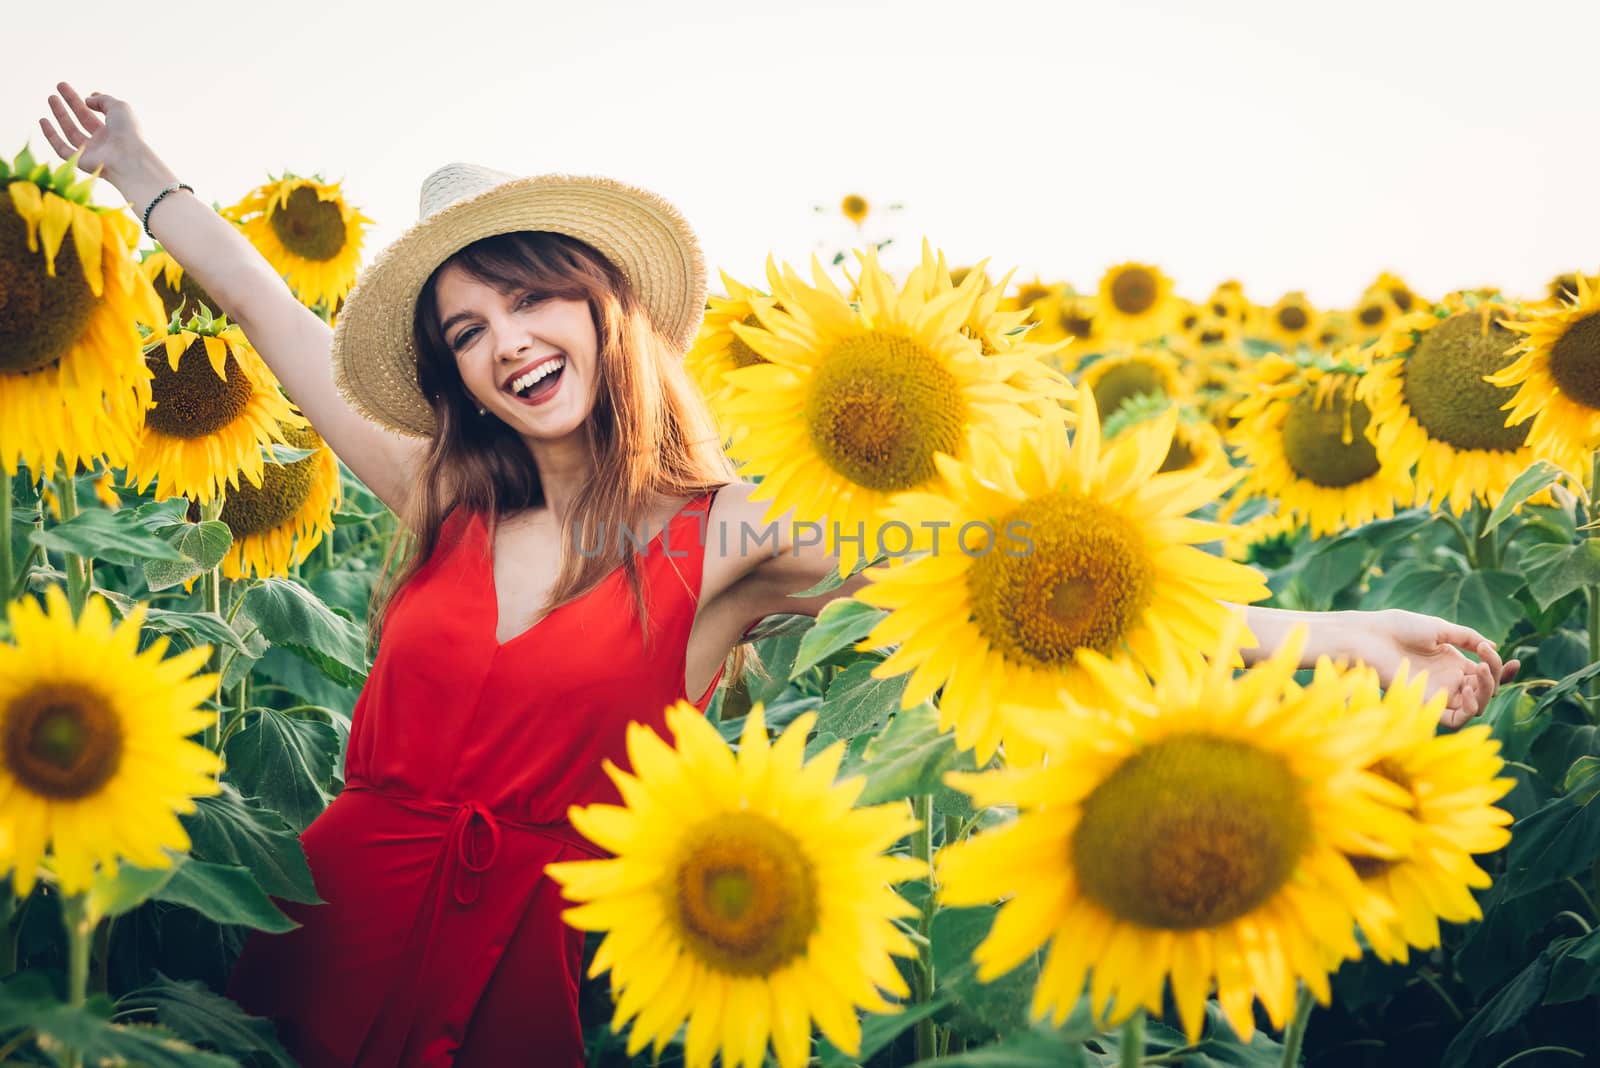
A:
(482, 410)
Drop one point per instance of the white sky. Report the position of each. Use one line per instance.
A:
(1291, 145)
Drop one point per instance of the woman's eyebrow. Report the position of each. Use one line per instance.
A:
(444, 327)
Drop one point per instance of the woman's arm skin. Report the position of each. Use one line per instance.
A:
(293, 341)
(747, 583)
(1383, 640)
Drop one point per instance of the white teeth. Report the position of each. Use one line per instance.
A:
(522, 382)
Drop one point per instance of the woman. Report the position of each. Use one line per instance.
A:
(506, 375)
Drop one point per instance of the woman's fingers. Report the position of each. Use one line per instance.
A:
(90, 121)
(1509, 672)
(1488, 654)
(69, 128)
(63, 149)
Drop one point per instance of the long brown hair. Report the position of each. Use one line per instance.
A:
(649, 433)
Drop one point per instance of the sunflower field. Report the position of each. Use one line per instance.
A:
(997, 808)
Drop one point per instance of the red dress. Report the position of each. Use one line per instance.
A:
(441, 941)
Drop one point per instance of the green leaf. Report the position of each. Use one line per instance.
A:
(1562, 838)
(1219, 1046)
(292, 617)
(28, 1002)
(1483, 600)
(1556, 570)
(226, 894)
(909, 757)
(839, 625)
(227, 829)
(285, 763)
(1034, 1048)
(203, 546)
(1576, 972)
(981, 1010)
(158, 515)
(113, 537)
(833, 580)
(128, 889)
(1507, 1008)
(1566, 687)
(857, 702)
(202, 1016)
(283, 455)
(193, 628)
(877, 1031)
(1541, 474)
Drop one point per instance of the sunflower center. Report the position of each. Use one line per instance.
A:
(308, 226)
(188, 296)
(742, 354)
(1575, 361)
(1402, 299)
(1124, 381)
(40, 316)
(1133, 291)
(1084, 584)
(1179, 455)
(879, 407)
(61, 741)
(192, 401)
(1293, 318)
(745, 896)
(1372, 867)
(1029, 294)
(1372, 315)
(284, 489)
(1192, 832)
(1077, 325)
(1445, 390)
(1326, 443)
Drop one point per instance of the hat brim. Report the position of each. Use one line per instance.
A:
(645, 237)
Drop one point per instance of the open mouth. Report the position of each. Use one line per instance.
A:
(539, 381)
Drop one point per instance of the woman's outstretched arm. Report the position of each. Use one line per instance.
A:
(293, 341)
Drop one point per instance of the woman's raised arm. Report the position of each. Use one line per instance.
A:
(293, 341)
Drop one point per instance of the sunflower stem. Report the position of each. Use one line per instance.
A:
(1468, 542)
(1487, 542)
(922, 849)
(1295, 1036)
(80, 569)
(100, 961)
(7, 564)
(75, 916)
(1132, 1054)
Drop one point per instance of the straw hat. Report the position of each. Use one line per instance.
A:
(374, 358)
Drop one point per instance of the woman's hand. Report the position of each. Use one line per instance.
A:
(1383, 640)
(1386, 639)
(104, 130)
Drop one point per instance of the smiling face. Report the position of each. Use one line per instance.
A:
(528, 358)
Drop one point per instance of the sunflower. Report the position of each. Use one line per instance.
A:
(854, 207)
(1303, 432)
(1447, 784)
(1292, 322)
(1374, 315)
(1114, 380)
(214, 405)
(717, 349)
(1051, 551)
(1400, 294)
(1136, 302)
(276, 525)
(1563, 289)
(1042, 302)
(179, 292)
(71, 382)
(1201, 329)
(1199, 837)
(856, 402)
(308, 232)
(95, 761)
(1004, 336)
(1432, 407)
(1334, 331)
(1228, 303)
(1556, 373)
(746, 893)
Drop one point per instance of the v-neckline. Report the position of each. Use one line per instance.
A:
(494, 589)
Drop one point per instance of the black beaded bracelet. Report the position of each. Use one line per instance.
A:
(173, 188)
